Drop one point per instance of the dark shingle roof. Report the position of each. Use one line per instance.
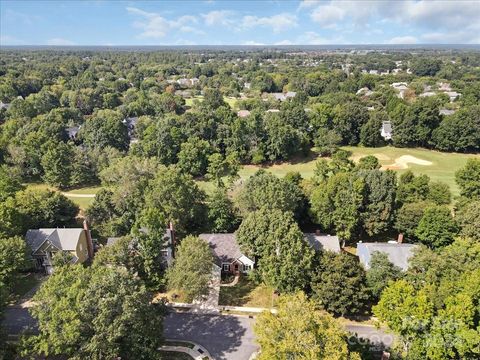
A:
(63, 239)
(224, 247)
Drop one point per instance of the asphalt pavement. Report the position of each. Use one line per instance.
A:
(226, 337)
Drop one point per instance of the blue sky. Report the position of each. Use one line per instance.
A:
(247, 22)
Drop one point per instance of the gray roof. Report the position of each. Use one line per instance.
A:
(224, 247)
(398, 254)
(63, 239)
(446, 112)
(72, 131)
(323, 242)
(387, 126)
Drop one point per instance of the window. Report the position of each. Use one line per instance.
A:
(247, 268)
(226, 267)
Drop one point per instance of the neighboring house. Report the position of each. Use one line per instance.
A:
(386, 130)
(452, 95)
(167, 252)
(243, 113)
(72, 132)
(227, 254)
(446, 112)
(397, 253)
(45, 243)
(4, 106)
(273, 111)
(365, 91)
(401, 88)
(282, 96)
(323, 242)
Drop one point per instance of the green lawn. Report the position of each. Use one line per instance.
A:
(82, 202)
(443, 167)
(247, 293)
(23, 284)
(229, 100)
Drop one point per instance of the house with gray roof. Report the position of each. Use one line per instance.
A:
(45, 243)
(227, 253)
(323, 242)
(386, 130)
(398, 253)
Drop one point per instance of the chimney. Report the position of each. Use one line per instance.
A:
(89, 239)
(400, 238)
(317, 232)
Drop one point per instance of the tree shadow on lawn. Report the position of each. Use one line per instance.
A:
(225, 337)
(237, 295)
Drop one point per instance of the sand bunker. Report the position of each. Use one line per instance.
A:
(403, 161)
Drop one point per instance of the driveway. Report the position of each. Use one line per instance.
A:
(368, 333)
(226, 337)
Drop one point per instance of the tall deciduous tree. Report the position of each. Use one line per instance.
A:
(266, 190)
(468, 179)
(95, 313)
(222, 215)
(57, 164)
(274, 238)
(299, 331)
(338, 284)
(192, 268)
(436, 228)
(381, 273)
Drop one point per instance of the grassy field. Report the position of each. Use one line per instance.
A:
(443, 165)
(79, 196)
(247, 293)
(229, 100)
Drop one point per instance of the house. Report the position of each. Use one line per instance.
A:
(397, 253)
(446, 112)
(167, 252)
(365, 91)
(282, 96)
(452, 95)
(272, 111)
(4, 106)
(243, 113)
(323, 242)
(386, 130)
(72, 132)
(45, 243)
(227, 254)
(401, 88)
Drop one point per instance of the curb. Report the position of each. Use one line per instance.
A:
(198, 352)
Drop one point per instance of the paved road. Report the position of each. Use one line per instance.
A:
(16, 320)
(226, 337)
(377, 337)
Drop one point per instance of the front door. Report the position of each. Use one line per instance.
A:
(236, 268)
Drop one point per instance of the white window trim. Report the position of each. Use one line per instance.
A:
(225, 264)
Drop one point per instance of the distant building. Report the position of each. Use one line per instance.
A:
(386, 130)
(283, 96)
(243, 113)
(398, 253)
(446, 112)
(273, 111)
(45, 243)
(452, 95)
(72, 132)
(401, 88)
(365, 91)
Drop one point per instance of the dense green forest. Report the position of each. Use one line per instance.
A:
(146, 126)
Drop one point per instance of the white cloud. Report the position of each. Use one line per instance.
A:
(278, 23)
(218, 17)
(328, 15)
(403, 40)
(60, 42)
(156, 26)
(307, 4)
(251, 42)
(419, 15)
